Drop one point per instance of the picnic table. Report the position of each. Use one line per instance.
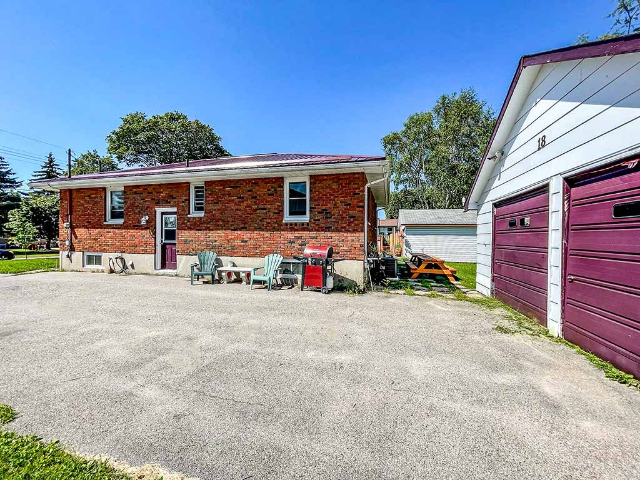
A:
(428, 264)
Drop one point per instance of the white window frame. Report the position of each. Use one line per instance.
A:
(108, 203)
(84, 260)
(295, 218)
(192, 199)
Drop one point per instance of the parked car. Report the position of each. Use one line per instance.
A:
(6, 255)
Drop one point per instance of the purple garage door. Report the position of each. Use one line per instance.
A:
(602, 289)
(521, 236)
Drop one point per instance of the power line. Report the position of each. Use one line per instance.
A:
(32, 139)
(23, 155)
(20, 160)
(23, 151)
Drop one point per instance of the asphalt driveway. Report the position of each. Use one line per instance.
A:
(222, 382)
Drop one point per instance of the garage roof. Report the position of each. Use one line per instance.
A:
(519, 88)
(449, 216)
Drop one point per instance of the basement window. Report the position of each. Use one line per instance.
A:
(115, 205)
(296, 199)
(197, 200)
(93, 260)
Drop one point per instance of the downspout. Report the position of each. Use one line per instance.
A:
(366, 221)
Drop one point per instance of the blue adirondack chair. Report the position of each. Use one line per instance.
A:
(271, 264)
(206, 266)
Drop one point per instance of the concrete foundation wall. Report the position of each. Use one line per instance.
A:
(347, 271)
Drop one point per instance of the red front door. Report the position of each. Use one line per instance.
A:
(168, 257)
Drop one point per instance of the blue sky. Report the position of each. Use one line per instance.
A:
(318, 77)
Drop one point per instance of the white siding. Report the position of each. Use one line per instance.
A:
(453, 244)
(589, 112)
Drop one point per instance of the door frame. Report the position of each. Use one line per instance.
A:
(158, 251)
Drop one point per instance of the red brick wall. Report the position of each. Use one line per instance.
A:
(242, 218)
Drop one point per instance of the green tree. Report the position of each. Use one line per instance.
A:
(48, 170)
(92, 162)
(40, 211)
(626, 20)
(435, 157)
(9, 196)
(23, 232)
(163, 139)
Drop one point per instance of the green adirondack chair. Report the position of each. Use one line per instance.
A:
(206, 266)
(271, 264)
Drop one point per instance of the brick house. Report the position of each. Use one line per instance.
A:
(242, 208)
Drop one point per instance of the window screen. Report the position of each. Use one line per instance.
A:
(93, 260)
(197, 202)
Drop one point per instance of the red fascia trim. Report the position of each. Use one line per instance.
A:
(614, 46)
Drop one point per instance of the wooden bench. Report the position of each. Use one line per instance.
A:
(427, 264)
(229, 274)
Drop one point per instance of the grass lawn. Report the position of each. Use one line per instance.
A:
(21, 253)
(466, 273)
(28, 457)
(20, 266)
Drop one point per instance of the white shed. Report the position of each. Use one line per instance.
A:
(449, 234)
(558, 197)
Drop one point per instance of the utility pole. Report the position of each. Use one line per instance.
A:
(69, 162)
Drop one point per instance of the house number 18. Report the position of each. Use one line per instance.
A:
(542, 141)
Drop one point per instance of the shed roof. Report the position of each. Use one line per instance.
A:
(449, 216)
(387, 222)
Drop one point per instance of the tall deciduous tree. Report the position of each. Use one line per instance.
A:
(626, 20)
(435, 157)
(9, 196)
(23, 232)
(92, 162)
(40, 211)
(163, 139)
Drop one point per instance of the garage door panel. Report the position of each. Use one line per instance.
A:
(602, 295)
(609, 240)
(536, 221)
(591, 343)
(618, 333)
(531, 296)
(521, 274)
(520, 254)
(535, 259)
(615, 301)
(601, 213)
(519, 304)
(611, 187)
(522, 239)
(613, 270)
(530, 205)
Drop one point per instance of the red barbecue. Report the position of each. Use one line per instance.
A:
(318, 268)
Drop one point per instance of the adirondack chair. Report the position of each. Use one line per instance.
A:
(206, 266)
(271, 264)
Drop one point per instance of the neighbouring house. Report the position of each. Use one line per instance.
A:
(388, 238)
(449, 234)
(242, 208)
(558, 197)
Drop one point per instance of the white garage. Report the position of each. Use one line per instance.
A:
(449, 234)
(558, 197)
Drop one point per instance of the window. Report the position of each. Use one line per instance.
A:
(197, 199)
(92, 260)
(296, 200)
(115, 205)
(169, 228)
(626, 210)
